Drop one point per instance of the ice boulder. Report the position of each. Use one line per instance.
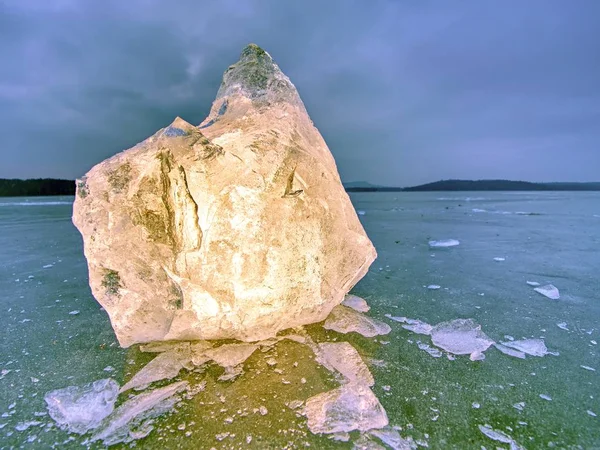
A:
(234, 229)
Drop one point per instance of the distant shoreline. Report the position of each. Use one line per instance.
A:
(40, 187)
(481, 185)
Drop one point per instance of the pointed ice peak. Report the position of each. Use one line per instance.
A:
(256, 76)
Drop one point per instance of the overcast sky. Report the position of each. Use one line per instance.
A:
(404, 92)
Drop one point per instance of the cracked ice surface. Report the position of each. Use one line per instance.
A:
(347, 408)
(79, 409)
(346, 320)
(460, 337)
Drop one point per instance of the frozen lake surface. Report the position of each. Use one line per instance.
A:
(55, 335)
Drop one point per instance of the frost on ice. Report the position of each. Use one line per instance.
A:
(344, 358)
(533, 347)
(81, 408)
(460, 337)
(356, 303)
(165, 366)
(130, 420)
(346, 320)
(444, 243)
(549, 291)
(347, 408)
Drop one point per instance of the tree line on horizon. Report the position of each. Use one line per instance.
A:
(36, 187)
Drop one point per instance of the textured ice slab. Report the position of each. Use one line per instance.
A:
(549, 291)
(460, 337)
(79, 409)
(345, 320)
(347, 408)
(533, 347)
(120, 425)
(231, 355)
(510, 351)
(499, 436)
(344, 358)
(356, 303)
(165, 366)
(444, 243)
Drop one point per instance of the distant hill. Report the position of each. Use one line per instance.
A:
(502, 185)
(36, 187)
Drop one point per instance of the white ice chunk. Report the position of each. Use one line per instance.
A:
(78, 409)
(510, 351)
(460, 337)
(498, 259)
(347, 408)
(549, 291)
(533, 283)
(499, 436)
(444, 243)
(119, 426)
(562, 326)
(361, 213)
(477, 356)
(397, 319)
(164, 367)
(344, 358)
(356, 303)
(591, 369)
(345, 320)
(533, 347)
(545, 397)
(591, 413)
(434, 287)
(365, 443)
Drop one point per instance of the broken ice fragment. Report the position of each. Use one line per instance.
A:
(397, 319)
(164, 367)
(345, 320)
(356, 303)
(434, 287)
(591, 413)
(588, 368)
(231, 355)
(416, 326)
(510, 351)
(364, 443)
(429, 349)
(460, 337)
(533, 347)
(444, 243)
(549, 291)
(74, 312)
(545, 397)
(231, 373)
(533, 283)
(119, 425)
(23, 426)
(344, 358)
(562, 326)
(392, 439)
(81, 408)
(477, 356)
(347, 408)
(499, 259)
(520, 406)
(499, 436)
